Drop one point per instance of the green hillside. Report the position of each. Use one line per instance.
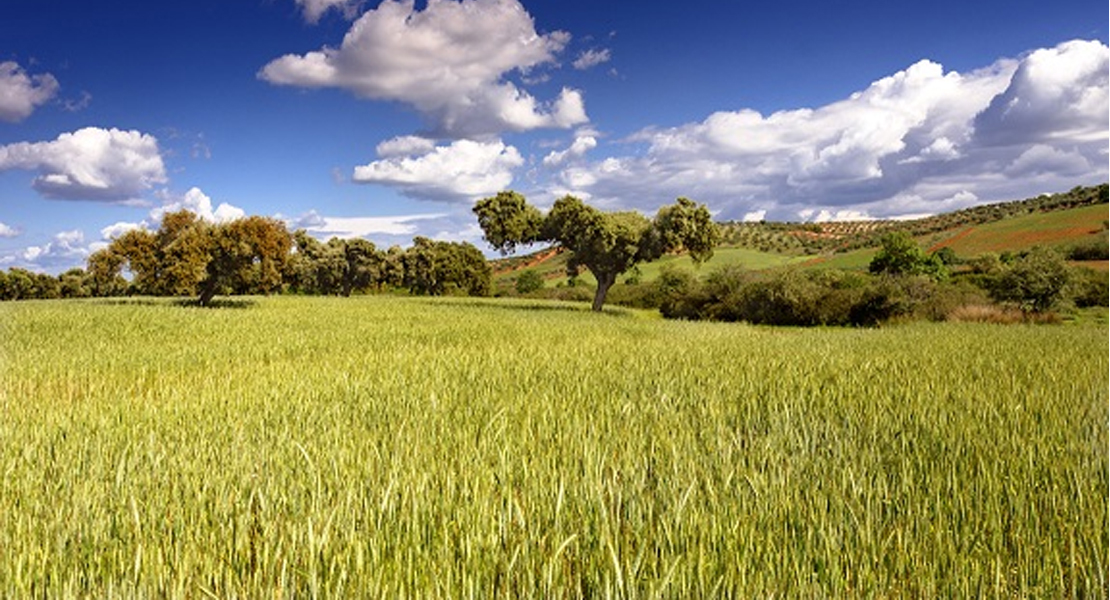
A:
(1063, 221)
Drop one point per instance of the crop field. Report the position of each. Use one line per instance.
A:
(1057, 228)
(400, 447)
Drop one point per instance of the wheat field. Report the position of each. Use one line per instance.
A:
(400, 447)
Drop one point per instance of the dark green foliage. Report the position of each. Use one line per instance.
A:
(1097, 250)
(19, 284)
(947, 256)
(1036, 280)
(74, 284)
(608, 244)
(1090, 288)
(805, 298)
(900, 255)
(446, 268)
(528, 281)
(508, 221)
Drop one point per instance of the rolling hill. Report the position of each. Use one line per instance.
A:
(1065, 220)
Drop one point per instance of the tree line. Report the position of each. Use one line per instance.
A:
(188, 256)
(903, 282)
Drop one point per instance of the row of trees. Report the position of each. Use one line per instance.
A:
(812, 238)
(188, 256)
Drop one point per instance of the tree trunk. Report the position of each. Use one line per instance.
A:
(207, 291)
(604, 282)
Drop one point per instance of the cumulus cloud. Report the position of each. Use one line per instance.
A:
(119, 228)
(460, 171)
(921, 140)
(582, 144)
(314, 9)
(21, 94)
(352, 227)
(200, 204)
(591, 58)
(1055, 93)
(449, 61)
(406, 145)
(65, 250)
(7, 231)
(90, 164)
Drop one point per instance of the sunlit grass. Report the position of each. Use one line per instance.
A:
(400, 447)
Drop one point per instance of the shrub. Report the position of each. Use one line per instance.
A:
(673, 289)
(1096, 250)
(900, 255)
(1035, 280)
(1089, 288)
(528, 282)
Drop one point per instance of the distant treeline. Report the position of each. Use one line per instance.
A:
(188, 256)
(842, 236)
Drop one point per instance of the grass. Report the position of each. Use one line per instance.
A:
(385, 447)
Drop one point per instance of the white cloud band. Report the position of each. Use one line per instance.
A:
(90, 164)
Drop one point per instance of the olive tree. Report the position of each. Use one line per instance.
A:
(606, 243)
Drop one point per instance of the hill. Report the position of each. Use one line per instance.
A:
(1065, 220)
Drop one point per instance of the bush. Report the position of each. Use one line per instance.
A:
(673, 289)
(1035, 280)
(900, 255)
(528, 282)
(1096, 250)
(1090, 288)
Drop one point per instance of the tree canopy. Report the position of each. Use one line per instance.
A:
(606, 243)
(188, 256)
(900, 255)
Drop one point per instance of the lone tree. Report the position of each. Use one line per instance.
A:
(900, 255)
(606, 243)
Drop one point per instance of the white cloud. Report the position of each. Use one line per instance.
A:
(352, 227)
(463, 170)
(21, 93)
(827, 216)
(90, 164)
(314, 9)
(119, 228)
(582, 144)
(1055, 94)
(65, 250)
(591, 58)
(449, 61)
(7, 231)
(200, 204)
(406, 145)
(909, 142)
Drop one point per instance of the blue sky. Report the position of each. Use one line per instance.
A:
(387, 120)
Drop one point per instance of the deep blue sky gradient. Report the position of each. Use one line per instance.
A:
(186, 72)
